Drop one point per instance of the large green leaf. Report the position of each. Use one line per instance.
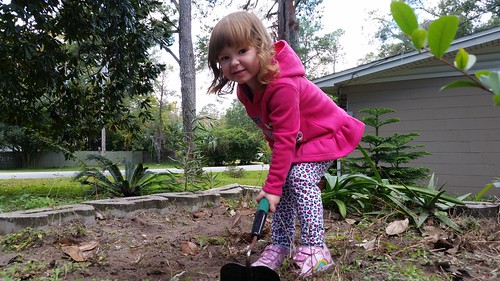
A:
(441, 33)
(486, 188)
(400, 206)
(430, 204)
(463, 60)
(495, 82)
(342, 207)
(496, 99)
(479, 74)
(377, 176)
(419, 38)
(404, 17)
(443, 217)
(428, 192)
(460, 84)
(424, 214)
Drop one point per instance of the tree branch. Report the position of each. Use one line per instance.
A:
(173, 55)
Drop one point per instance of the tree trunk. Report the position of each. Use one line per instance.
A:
(159, 129)
(187, 73)
(288, 26)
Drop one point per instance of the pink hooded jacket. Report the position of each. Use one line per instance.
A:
(299, 121)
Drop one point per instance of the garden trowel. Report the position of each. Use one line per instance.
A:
(238, 272)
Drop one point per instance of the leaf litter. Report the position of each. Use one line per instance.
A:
(184, 245)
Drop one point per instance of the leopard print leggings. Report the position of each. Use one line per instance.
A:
(301, 197)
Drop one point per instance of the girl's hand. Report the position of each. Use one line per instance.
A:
(273, 199)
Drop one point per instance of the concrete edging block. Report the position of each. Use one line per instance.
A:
(234, 191)
(44, 217)
(124, 206)
(121, 207)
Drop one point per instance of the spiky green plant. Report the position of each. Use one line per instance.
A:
(107, 178)
(360, 193)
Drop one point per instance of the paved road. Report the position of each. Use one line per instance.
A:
(56, 174)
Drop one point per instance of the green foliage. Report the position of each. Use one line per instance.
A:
(191, 160)
(41, 271)
(381, 182)
(441, 33)
(473, 16)
(215, 146)
(235, 172)
(361, 194)
(21, 240)
(319, 54)
(73, 62)
(137, 180)
(349, 191)
(235, 145)
(390, 154)
(238, 141)
(23, 194)
(236, 116)
(486, 188)
(439, 37)
(65, 191)
(27, 201)
(407, 23)
(21, 141)
(211, 180)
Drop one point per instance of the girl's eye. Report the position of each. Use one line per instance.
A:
(223, 58)
(242, 51)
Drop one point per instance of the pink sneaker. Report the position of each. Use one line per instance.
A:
(272, 256)
(311, 259)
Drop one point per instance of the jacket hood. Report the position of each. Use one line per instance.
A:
(290, 64)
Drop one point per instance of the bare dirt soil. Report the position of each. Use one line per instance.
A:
(181, 245)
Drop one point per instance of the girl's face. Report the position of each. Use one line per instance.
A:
(240, 65)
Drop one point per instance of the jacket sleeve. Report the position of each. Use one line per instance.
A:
(284, 116)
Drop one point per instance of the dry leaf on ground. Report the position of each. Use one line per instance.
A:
(79, 252)
(189, 248)
(397, 227)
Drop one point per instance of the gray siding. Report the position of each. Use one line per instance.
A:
(460, 128)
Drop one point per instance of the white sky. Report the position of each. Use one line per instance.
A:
(352, 16)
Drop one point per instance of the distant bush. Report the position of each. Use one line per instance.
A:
(235, 172)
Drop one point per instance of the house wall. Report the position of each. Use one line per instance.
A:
(459, 127)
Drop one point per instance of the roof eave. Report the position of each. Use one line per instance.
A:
(337, 79)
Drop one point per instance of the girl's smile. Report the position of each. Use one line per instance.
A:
(240, 65)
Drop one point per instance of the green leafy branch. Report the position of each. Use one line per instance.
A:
(437, 39)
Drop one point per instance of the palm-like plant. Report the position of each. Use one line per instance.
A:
(135, 181)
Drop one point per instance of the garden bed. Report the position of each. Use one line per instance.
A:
(183, 245)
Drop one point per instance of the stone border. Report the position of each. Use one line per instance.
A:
(477, 209)
(87, 211)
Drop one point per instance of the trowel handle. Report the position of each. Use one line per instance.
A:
(260, 217)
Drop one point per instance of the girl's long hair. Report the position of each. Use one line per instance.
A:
(241, 30)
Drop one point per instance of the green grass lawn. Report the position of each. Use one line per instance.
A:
(59, 169)
(23, 194)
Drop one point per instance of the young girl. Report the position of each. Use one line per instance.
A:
(305, 129)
